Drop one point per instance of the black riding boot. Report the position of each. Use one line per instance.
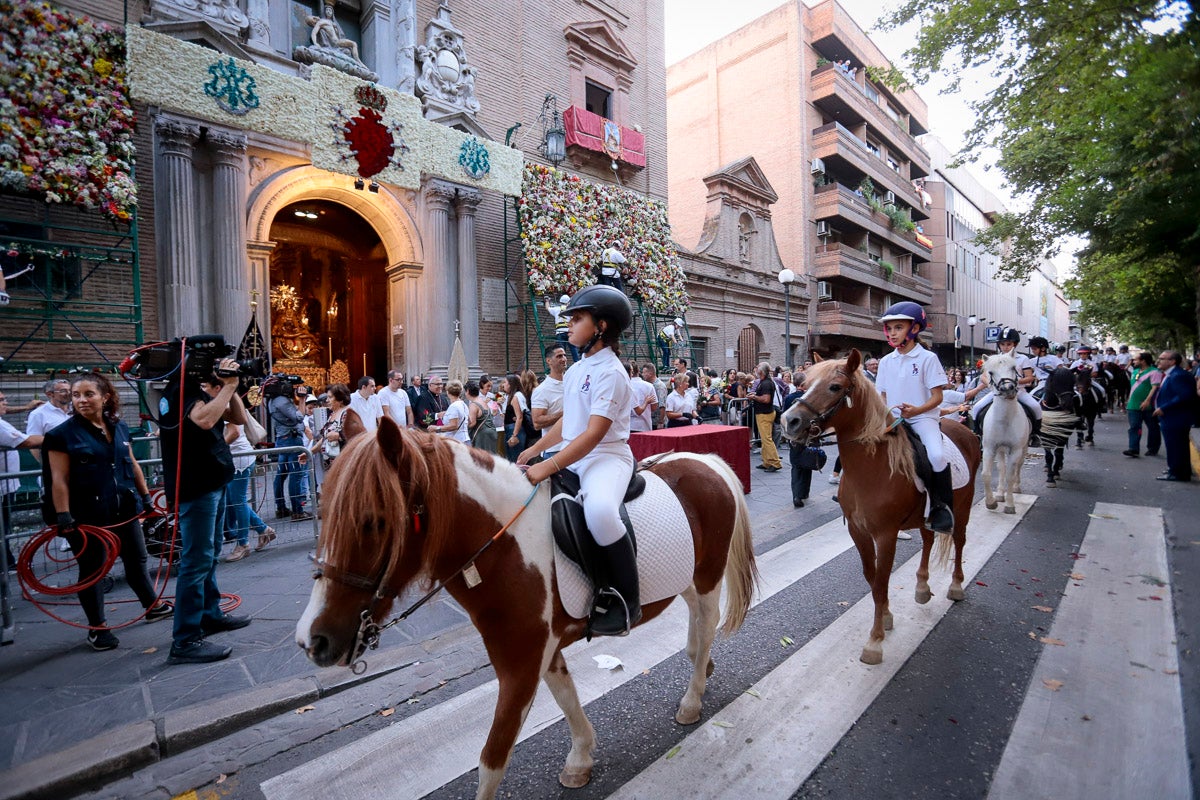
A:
(618, 606)
(1035, 437)
(941, 500)
(979, 420)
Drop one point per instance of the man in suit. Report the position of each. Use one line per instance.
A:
(1173, 407)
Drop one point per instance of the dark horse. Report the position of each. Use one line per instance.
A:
(1060, 416)
(1117, 385)
(1091, 404)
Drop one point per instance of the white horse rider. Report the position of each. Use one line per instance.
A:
(1005, 431)
(1044, 362)
(1009, 339)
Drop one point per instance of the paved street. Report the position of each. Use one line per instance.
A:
(1058, 676)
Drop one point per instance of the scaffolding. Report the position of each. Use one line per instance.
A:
(53, 321)
(640, 343)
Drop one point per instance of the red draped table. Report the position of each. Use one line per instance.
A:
(730, 442)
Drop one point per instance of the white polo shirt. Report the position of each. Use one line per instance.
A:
(1085, 362)
(596, 385)
(643, 394)
(548, 396)
(395, 405)
(369, 410)
(45, 418)
(1044, 365)
(909, 378)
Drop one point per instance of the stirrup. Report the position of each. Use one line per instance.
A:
(611, 618)
(933, 514)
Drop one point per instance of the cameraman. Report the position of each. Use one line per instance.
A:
(288, 421)
(197, 464)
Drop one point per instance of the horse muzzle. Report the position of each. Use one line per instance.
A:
(1006, 387)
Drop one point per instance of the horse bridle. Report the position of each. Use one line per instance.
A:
(369, 631)
(819, 417)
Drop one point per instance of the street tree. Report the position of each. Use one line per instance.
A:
(1096, 116)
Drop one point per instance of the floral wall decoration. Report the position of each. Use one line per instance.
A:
(66, 126)
(567, 222)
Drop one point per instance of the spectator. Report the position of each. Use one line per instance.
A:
(546, 401)
(289, 432)
(480, 427)
(240, 516)
(681, 408)
(709, 409)
(414, 392)
(650, 376)
(514, 418)
(330, 439)
(93, 479)
(801, 477)
(453, 424)
(367, 404)
(48, 416)
(766, 399)
(1140, 408)
(529, 382)
(431, 404)
(11, 440)
(1173, 406)
(395, 400)
(871, 368)
(645, 401)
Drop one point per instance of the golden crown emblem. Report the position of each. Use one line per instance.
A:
(370, 97)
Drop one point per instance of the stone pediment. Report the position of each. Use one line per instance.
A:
(599, 39)
(746, 178)
(198, 31)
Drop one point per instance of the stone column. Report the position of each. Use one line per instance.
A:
(230, 300)
(259, 256)
(178, 256)
(441, 282)
(377, 30)
(468, 281)
(405, 318)
(404, 17)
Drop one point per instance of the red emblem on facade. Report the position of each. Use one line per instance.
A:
(371, 140)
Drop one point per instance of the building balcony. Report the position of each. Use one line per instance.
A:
(846, 212)
(846, 100)
(594, 133)
(837, 262)
(837, 146)
(836, 318)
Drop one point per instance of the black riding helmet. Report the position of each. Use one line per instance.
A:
(1038, 342)
(1010, 335)
(604, 303)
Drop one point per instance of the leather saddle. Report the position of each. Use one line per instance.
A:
(569, 526)
(923, 468)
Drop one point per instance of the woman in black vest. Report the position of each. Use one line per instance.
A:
(93, 479)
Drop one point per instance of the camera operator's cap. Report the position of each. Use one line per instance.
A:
(312, 399)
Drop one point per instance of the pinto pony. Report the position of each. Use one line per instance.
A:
(404, 507)
(878, 491)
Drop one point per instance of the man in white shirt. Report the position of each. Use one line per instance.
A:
(394, 399)
(366, 404)
(650, 376)
(53, 413)
(546, 403)
(12, 440)
(562, 325)
(645, 401)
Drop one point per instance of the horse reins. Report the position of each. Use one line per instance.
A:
(368, 633)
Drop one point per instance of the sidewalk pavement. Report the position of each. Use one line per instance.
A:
(74, 718)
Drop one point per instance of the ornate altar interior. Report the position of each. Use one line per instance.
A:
(329, 294)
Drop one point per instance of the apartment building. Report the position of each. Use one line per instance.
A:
(799, 90)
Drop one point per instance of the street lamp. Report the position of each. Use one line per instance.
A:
(972, 321)
(554, 138)
(787, 277)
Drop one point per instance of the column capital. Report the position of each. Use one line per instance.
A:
(468, 201)
(175, 135)
(440, 194)
(227, 143)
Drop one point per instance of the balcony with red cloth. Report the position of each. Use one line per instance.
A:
(595, 133)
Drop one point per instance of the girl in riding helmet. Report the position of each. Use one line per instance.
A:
(1007, 345)
(911, 378)
(594, 435)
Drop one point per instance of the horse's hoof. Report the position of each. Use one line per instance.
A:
(871, 655)
(1010, 509)
(689, 717)
(575, 778)
(992, 505)
(956, 593)
(708, 671)
(887, 621)
(924, 596)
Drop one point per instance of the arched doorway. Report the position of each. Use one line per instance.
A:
(329, 289)
(749, 346)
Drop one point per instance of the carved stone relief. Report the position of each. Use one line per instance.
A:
(330, 46)
(446, 84)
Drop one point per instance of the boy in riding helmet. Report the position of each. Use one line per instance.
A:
(1043, 362)
(910, 379)
(594, 436)
(1007, 344)
(1085, 363)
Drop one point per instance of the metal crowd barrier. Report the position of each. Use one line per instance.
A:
(24, 517)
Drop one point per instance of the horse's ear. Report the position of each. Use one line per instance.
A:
(854, 360)
(389, 438)
(816, 357)
(352, 424)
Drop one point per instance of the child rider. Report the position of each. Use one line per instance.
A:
(594, 432)
(910, 379)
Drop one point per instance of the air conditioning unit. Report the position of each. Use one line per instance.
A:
(823, 229)
(818, 167)
(889, 198)
(824, 291)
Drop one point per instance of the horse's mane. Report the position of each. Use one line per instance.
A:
(376, 484)
(875, 420)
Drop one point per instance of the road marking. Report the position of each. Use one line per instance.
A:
(1114, 727)
(428, 750)
(767, 745)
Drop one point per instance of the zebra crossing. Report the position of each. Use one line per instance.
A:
(1105, 624)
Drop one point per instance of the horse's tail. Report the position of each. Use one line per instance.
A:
(741, 570)
(943, 551)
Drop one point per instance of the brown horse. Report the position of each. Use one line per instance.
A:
(404, 506)
(878, 495)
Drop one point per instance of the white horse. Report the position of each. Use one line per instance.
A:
(1005, 432)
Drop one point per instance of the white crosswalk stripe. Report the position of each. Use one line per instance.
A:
(817, 694)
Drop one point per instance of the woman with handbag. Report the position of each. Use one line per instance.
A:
(514, 418)
(331, 439)
(804, 460)
(91, 477)
(240, 516)
(456, 416)
(481, 429)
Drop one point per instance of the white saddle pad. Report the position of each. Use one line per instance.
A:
(959, 474)
(665, 553)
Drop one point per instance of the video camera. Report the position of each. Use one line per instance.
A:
(202, 355)
(280, 384)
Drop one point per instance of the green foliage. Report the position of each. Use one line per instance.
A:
(888, 269)
(900, 218)
(1096, 116)
(822, 61)
(867, 187)
(890, 77)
